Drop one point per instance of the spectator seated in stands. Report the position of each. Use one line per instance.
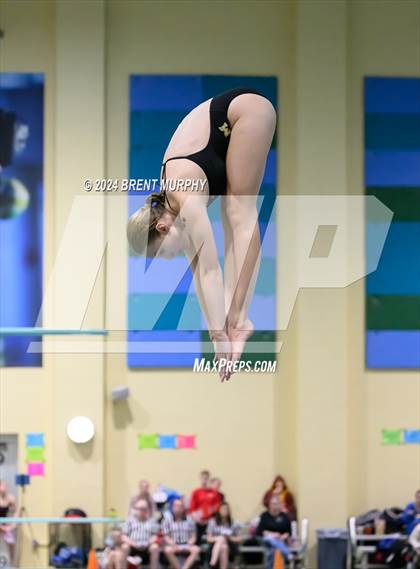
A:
(112, 556)
(411, 515)
(216, 484)
(7, 509)
(280, 490)
(205, 502)
(275, 529)
(139, 539)
(164, 497)
(143, 493)
(223, 537)
(179, 537)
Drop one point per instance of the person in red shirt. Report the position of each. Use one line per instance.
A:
(204, 503)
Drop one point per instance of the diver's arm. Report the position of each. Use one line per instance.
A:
(208, 272)
(193, 259)
(217, 338)
(208, 277)
(247, 255)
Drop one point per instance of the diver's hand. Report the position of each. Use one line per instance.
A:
(222, 351)
(238, 334)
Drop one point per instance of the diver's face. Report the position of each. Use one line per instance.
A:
(171, 244)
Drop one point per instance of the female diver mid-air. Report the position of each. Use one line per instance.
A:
(234, 132)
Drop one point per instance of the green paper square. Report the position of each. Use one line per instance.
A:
(391, 437)
(147, 441)
(35, 454)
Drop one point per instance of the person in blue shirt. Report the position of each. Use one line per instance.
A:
(411, 515)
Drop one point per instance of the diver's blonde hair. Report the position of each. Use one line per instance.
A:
(141, 227)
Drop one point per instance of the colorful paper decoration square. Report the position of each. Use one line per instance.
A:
(148, 441)
(35, 440)
(186, 441)
(412, 436)
(35, 454)
(167, 441)
(391, 437)
(36, 469)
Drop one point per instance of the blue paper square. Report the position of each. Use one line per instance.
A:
(35, 440)
(412, 436)
(167, 441)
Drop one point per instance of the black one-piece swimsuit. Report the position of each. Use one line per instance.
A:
(212, 158)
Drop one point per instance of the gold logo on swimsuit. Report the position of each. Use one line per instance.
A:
(225, 129)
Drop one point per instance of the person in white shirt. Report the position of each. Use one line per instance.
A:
(223, 537)
(180, 537)
(138, 539)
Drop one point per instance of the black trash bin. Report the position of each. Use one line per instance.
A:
(332, 548)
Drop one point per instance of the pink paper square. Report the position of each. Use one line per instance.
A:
(36, 469)
(186, 441)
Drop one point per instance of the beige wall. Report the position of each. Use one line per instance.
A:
(318, 420)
